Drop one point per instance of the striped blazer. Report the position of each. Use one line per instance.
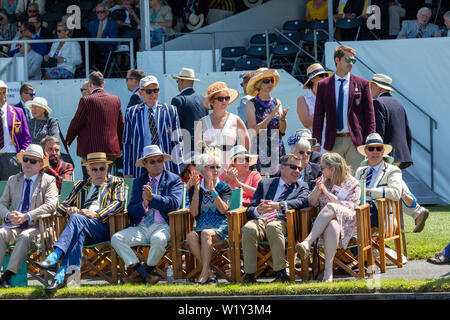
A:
(112, 197)
(169, 133)
(98, 124)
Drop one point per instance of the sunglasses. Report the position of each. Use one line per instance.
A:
(324, 167)
(59, 31)
(150, 91)
(371, 149)
(155, 161)
(267, 80)
(307, 152)
(101, 169)
(348, 60)
(322, 75)
(32, 94)
(215, 167)
(100, 12)
(32, 161)
(222, 99)
(293, 167)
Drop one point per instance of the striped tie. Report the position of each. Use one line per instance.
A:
(369, 177)
(420, 32)
(153, 128)
(26, 202)
(2, 138)
(286, 187)
(269, 217)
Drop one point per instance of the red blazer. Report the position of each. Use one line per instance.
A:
(361, 115)
(98, 124)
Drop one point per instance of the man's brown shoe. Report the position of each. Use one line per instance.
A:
(133, 276)
(420, 220)
(152, 278)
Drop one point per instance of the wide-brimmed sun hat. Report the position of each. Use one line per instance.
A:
(220, 86)
(252, 3)
(96, 157)
(33, 150)
(152, 151)
(186, 74)
(383, 81)
(374, 139)
(239, 151)
(39, 102)
(314, 70)
(260, 74)
(195, 21)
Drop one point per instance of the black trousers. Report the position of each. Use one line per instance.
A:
(9, 165)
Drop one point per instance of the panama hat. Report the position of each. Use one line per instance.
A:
(383, 81)
(374, 139)
(40, 102)
(95, 157)
(152, 151)
(195, 21)
(314, 70)
(252, 3)
(3, 84)
(33, 150)
(239, 151)
(217, 87)
(260, 74)
(186, 74)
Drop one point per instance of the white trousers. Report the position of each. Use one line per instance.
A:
(157, 236)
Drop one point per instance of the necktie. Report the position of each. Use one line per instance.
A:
(26, 202)
(272, 215)
(420, 32)
(340, 107)
(2, 138)
(100, 29)
(369, 176)
(148, 221)
(92, 198)
(153, 128)
(286, 187)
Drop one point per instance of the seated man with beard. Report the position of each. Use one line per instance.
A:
(59, 169)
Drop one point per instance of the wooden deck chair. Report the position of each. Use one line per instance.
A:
(297, 228)
(389, 228)
(222, 256)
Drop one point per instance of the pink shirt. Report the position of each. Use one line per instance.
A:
(252, 179)
(158, 218)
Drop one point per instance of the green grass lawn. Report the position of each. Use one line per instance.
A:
(433, 238)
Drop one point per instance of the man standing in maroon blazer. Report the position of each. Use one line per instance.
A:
(344, 101)
(98, 122)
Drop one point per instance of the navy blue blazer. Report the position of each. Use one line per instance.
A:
(296, 197)
(393, 126)
(111, 30)
(168, 197)
(190, 109)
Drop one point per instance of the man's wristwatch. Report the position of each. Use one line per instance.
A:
(283, 205)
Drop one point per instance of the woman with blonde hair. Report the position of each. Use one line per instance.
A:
(209, 201)
(264, 115)
(338, 194)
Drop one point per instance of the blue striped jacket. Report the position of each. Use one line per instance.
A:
(169, 132)
(112, 197)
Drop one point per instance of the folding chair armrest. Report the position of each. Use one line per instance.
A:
(179, 212)
(118, 222)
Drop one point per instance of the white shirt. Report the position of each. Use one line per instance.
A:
(8, 146)
(346, 88)
(374, 177)
(33, 180)
(95, 205)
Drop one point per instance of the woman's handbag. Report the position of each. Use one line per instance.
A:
(52, 62)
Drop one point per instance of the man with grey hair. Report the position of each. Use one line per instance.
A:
(420, 28)
(310, 171)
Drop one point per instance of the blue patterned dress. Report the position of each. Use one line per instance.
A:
(209, 216)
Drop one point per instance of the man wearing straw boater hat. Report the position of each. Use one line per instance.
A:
(393, 127)
(189, 105)
(383, 180)
(28, 195)
(155, 193)
(89, 205)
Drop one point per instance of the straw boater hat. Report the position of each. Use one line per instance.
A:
(314, 70)
(252, 3)
(260, 74)
(34, 150)
(195, 21)
(186, 74)
(40, 102)
(383, 81)
(95, 157)
(151, 151)
(217, 87)
(239, 151)
(374, 139)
